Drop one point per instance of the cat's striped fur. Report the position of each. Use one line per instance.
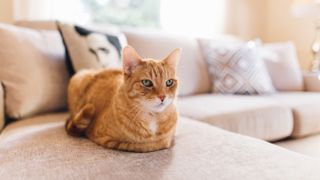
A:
(117, 109)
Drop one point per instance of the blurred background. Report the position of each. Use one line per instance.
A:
(269, 20)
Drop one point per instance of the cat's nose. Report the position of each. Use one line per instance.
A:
(162, 97)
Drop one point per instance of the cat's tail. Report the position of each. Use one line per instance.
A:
(76, 125)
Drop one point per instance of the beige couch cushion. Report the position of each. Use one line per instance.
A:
(39, 148)
(192, 70)
(44, 25)
(32, 70)
(306, 111)
(307, 145)
(255, 116)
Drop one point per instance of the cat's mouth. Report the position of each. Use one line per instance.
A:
(160, 105)
(163, 104)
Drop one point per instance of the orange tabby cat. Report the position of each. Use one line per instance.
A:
(131, 109)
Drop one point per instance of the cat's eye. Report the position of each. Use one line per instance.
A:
(147, 83)
(169, 82)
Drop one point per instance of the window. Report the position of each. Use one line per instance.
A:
(143, 13)
(191, 17)
(187, 17)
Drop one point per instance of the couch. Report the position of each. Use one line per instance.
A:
(218, 136)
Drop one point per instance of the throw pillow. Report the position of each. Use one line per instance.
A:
(32, 71)
(88, 49)
(282, 61)
(237, 68)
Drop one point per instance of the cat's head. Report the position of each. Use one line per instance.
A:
(150, 83)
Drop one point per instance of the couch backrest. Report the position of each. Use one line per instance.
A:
(192, 71)
(45, 25)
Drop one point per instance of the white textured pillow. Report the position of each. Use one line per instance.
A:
(283, 66)
(237, 68)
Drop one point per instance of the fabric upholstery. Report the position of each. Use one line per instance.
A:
(44, 25)
(2, 117)
(282, 61)
(305, 108)
(255, 116)
(32, 70)
(39, 148)
(307, 145)
(236, 68)
(192, 71)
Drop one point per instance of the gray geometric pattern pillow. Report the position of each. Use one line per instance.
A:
(237, 68)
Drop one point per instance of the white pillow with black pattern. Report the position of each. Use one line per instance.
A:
(89, 49)
(237, 68)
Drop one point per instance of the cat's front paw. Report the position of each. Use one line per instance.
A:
(88, 111)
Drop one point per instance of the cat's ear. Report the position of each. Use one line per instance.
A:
(130, 59)
(173, 58)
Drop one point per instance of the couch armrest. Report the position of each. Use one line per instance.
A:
(312, 81)
(2, 116)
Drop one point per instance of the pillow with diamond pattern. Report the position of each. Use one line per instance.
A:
(237, 68)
